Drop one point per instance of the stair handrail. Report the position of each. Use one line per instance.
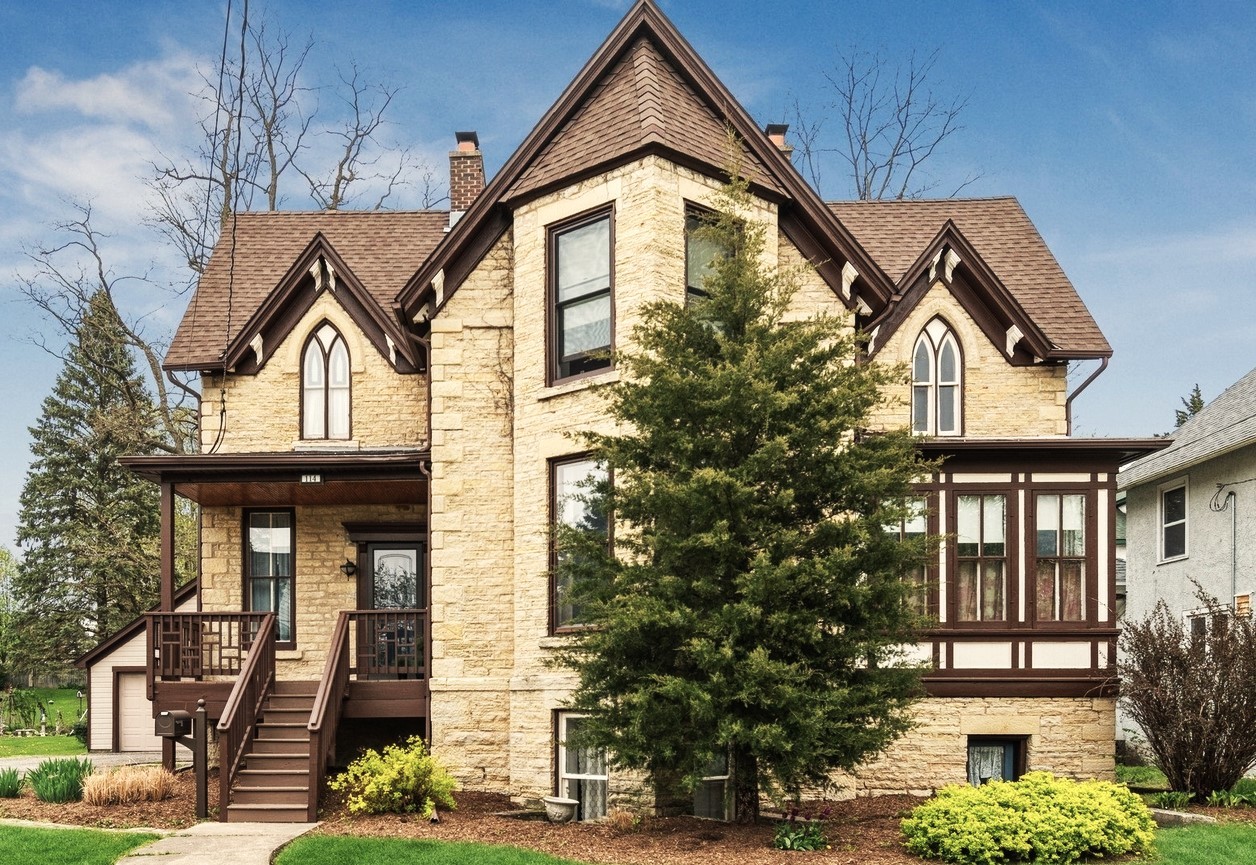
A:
(327, 708)
(244, 705)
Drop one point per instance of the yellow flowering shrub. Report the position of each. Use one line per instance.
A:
(400, 780)
(1040, 818)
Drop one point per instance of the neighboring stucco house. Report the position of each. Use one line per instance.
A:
(386, 399)
(1190, 512)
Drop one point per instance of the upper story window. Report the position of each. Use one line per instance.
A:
(700, 252)
(981, 557)
(1173, 522)
(580, 269)
(936, 382)
(1060, 551)
(574, 484)
(914, 527)
(325, 385)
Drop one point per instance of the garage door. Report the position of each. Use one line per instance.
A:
(135, 715)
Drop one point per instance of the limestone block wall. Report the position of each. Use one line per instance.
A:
(1068, 736)
(321, 590)
(999, 399)
(264, 410)
(473, 371)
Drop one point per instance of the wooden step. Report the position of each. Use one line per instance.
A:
(294, 795)
(293, 745)
(271, 715)
(273, 777)
(266, 813)
(282, 730)
(294, 761)
(288, 688)
(291, 701)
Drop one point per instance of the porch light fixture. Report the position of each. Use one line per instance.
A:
(348, 568)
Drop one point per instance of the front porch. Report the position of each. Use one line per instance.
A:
(276, 735)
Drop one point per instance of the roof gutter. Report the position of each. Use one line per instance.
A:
(1068, 403)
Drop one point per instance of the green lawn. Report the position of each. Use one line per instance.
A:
(339, 850)
(1221, 844)
(66, 846)
(64, 700)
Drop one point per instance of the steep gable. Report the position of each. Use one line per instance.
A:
(1007, 257)
(267, 253)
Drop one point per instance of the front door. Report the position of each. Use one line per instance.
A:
(390, 638)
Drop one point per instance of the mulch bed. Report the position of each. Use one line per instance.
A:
(863, 831)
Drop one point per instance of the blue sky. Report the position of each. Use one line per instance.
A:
(1128, 131)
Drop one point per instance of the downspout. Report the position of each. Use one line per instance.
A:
(1068, 403)
(1233, 503)
(425, 468)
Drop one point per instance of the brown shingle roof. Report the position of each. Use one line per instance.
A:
(895, 233)
(642, 101)
(382, 248)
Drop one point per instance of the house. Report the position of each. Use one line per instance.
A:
(1190, 518)
(385, 402)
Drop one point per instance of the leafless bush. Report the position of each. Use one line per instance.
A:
(129, 784)
(1193, 694)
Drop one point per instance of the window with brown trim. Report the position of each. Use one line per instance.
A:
(1060, 553)
(574, 503)
(920, 595)
(325, 383)
(269, 554)
(700, 252)
(981, 558)
(581, 311)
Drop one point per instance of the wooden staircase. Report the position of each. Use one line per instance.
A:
(274, 785)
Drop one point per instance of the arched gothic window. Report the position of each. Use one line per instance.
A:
(325, 385)
(937, 395)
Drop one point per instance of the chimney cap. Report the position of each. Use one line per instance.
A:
(467, 140)
(776, 129)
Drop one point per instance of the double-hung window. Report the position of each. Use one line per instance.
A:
(1060, 550)
(914, 527)
(1173, 522)
(700, 252)
(981, 558)
(268, 567)
(580, 292)
(576, 504)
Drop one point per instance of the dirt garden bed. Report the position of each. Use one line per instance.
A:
(860, 830)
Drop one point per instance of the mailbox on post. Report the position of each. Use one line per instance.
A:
(171, 725)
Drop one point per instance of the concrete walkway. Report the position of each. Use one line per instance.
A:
(218, 843)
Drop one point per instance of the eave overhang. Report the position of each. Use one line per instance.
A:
(290, 479)
(1046, 454)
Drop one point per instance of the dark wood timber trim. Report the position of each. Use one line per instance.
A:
(167, 546)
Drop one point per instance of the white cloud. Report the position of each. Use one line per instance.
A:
(152, 93)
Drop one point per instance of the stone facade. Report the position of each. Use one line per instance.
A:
(263, 411)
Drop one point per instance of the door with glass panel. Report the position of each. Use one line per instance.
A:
(390, 632)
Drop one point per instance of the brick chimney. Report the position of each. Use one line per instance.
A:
(776, 134)
(466, 174)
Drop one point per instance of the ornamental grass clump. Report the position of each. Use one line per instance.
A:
(10, 783)
(128, 784)
(1040, 818)
(59, 780)
(400, 780)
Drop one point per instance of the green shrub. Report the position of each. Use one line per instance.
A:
(10, 783)
(1245, 787)
(79, 731)
(402, 779)
(1039, 818)
(59, 779)
(1173, 800)
(800, 835)
(1141, 776)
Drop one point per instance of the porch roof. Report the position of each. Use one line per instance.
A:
(290, 478)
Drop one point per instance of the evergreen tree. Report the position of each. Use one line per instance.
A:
(8, 567)
(88, 528)
(1192, 404)
(752, 608)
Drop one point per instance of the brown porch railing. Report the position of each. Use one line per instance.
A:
(197, 645)
(366, 644)
(239, 716)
